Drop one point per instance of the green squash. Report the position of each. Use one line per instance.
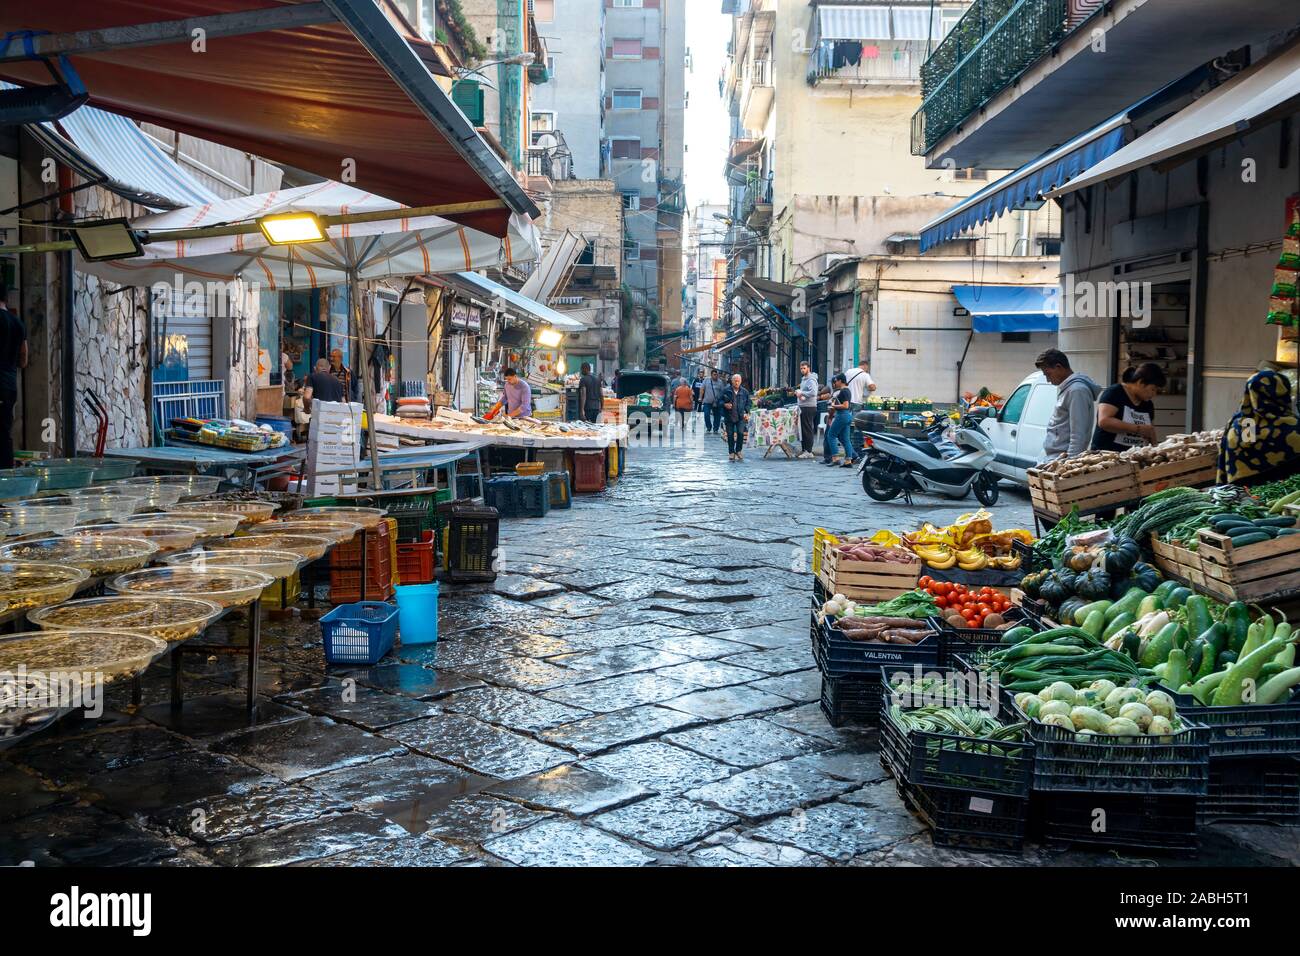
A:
(1120, 555)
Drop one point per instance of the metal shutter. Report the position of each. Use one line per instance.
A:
(178, 333)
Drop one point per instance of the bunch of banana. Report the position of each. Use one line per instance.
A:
(1007, 562)
(938, 556)
(972, 559)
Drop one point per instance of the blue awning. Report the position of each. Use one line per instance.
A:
(110, 149)
(1029, 182)
(1011, 308)
(521, 304)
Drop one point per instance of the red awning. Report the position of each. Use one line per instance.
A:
(316, 97)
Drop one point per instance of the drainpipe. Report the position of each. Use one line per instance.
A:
(69, 360)
(857, 324)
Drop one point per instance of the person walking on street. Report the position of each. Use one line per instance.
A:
(1069, 430)
(861, 385)
(697, 395)
(683, 402)
(590, 398)
(735, 405)
(710, 393)
(837, 431)
(808, 392)
(13, 357)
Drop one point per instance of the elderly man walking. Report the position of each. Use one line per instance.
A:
(736, 402)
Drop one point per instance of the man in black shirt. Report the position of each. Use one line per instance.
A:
(590, 397)
(322, 384)
(13, 356)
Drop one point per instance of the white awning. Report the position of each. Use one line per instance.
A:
(853, 23)
(520, 304)
(1230, 111)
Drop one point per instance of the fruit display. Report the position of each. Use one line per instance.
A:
(969, 543)
(964, 607)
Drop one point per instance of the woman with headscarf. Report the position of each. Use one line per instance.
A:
(1262, 442)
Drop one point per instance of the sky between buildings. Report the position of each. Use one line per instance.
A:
(707, 125)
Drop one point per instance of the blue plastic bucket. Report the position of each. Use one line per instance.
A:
(417, 613)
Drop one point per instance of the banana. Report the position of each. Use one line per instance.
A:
(942, 564)
(971, 563)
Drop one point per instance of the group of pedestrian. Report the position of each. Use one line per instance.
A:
(847, 395)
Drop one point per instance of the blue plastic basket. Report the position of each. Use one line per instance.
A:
(533, 495)
(359, 633)
(503, 495)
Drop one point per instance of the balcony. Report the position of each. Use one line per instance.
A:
(1015, 78)
(888, 63)
(756, 203)
(757, 94)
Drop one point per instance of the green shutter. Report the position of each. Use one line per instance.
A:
(468, 95)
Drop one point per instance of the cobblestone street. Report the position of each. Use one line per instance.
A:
(636, 688)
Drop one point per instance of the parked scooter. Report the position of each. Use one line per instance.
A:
(900, 465)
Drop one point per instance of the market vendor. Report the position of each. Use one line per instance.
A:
(1262, 442)
(518, 395)
(322, 384)
(1126, 411)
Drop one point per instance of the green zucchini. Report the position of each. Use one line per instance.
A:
(1198, 615)
(1117, 624)
(1178, 597)
(1250, 537)
(1128, 604)
(1163, 590)
(1095, 623)
(1158, 647)
(1236, 620)
(1132, 645)
(1150, 604)
(1278, 687)
(1275, 522)
(1243, 675)
(1082, 614)
(1214, 640)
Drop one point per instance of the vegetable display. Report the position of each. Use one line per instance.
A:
(1103, 708)
(1030, 662)
(861, 549)
(963, 607)
(959, 721)
(1085, 464)
(914, 605)
(1174, 448)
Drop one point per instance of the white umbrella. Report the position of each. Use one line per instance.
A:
(352, 254)
(365, 250)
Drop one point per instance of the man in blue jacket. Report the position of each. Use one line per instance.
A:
(710, 391)
(735, 405)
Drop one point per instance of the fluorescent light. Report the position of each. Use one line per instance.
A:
(106, 239)
(549, 338)
(291, 227)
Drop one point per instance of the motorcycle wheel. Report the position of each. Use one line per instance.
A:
(986, 489)
(877, 484)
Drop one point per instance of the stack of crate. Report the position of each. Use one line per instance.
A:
(345, 566)
(333, 442)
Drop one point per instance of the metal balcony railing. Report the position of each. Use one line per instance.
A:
(991, 46)
(886, 62)
(757, 192)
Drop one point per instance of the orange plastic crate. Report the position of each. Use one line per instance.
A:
(416, 561)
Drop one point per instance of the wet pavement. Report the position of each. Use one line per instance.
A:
(636, 688)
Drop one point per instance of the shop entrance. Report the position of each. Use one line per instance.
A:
(1162, 334)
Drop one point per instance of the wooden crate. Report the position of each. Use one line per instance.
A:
(1175, 559)
(1189, 473)
(1268, 571)
(866, 580)
(1055, 496)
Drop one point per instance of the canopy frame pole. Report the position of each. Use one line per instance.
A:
(364, 324)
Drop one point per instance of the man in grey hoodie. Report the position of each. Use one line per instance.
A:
(1069, 430)
(807, 409)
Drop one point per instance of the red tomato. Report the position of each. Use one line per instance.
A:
(926, 581)
(940, 601)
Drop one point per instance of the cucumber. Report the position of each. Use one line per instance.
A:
(1095, 623)
(1178, 597)
(1250, 537)
(1128, 604)
(1015, 635)
(1275, 522)
(1082, 614)
(1117, 624)
(1232, 521)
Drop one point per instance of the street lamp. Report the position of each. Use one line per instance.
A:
(549, 338)
(287, 228)
(527, 58)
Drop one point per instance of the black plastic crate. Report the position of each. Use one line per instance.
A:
(844, 657)
(1143, 822)
(955, 642)
(503, 495)
(1031, 559)
(963, 820)
(1252, 790)
(1173, 765)
(468, 486)
(945, 760)
(472, 535)
(532, 496)
(1247, 730)
(851, 700)
(560, 486)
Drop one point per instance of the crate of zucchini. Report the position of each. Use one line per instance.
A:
(965, 772)
(1251, 560)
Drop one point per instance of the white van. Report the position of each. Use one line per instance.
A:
(1020, 428)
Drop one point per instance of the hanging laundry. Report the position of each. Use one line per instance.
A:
(846, 53)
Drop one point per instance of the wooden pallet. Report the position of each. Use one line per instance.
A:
(866, 580)
(1190, 473)
(1264, 572)
(1055, 496)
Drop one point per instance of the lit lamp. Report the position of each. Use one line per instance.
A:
(549, 338)
(287, 228)
(105, 239)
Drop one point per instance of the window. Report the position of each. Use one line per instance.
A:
(627, 3)
(1010, 337)
(544, 10)
(949, 17)
(1041, 405)
(631, 200)
(627, 49)
(631, 250)
(542, 122)
(1015, 406)
(626, 147)
(550, 66)
(1049, 247)
(626, 99)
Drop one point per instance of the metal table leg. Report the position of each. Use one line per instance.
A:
(254, 652)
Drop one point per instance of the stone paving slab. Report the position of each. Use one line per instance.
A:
(478, 746)
(745, 742)
(565, 843)
(601, 732)
(313, 840)
(619, 693)
(664, 823)
(575, 790)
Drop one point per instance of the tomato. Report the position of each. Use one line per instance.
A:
(940, 601)
(925, 582)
